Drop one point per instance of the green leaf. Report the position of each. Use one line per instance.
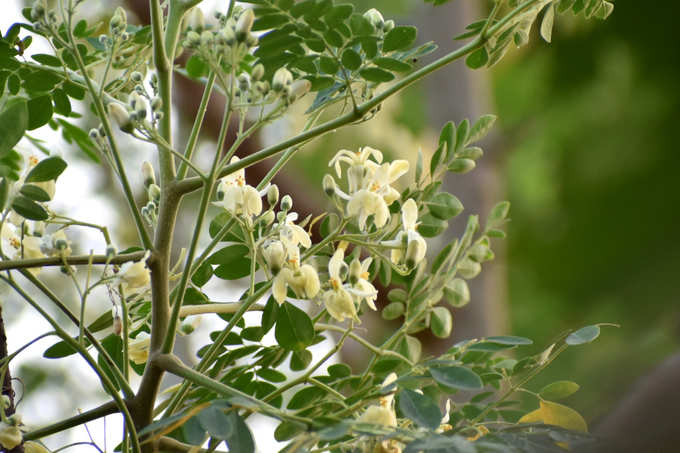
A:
(351, 59)
(196, 67)
(481, 128)
(477, 59)
(28, 208)
(399, 38)
(510, 340)
(241, 439)
(392, 64)
(305, 397)
(287, 430)
(457, 377)
(294, 329)
(559, 390)
(441, 322)
(270, 314)
(360, 25)
(393, 310)
(35, 193)
(338, 14)
(233, 262)
(419, 408)
(583, 335)
(62, 105)
(328, 65)
(339, 370)
(547, 23)
(444, 205)
(431, 226)
(271, 375)
(461, 166)
(39, 111)
(46, 59)
(376, 75)
(202, 275)
(215, 422)
(437, 158)
(13, 123)
(4, 192)
(300, 360)
(269, 21)
(113, 345)
(47, 170)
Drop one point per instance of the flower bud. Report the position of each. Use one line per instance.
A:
(258, 72)
(195, 20)
(274, 255)
(267, 218)
(389, 25)
(414, 252)
(110, 251)
(282, 78)
(298, 89)
(375, 18)
(138, 105)
(136, 77)
(154, 193)
(328, 184)
(252, 40)
(228, 36)
(193, 39)
(479, 252)
(59, 241)
(244, 82)
(156, 103)
(273, 195)
(148, 174)
(94, 134)
(37, 10)
(244, 24)
(186, 328)
(286, 203)
(355, 271)
(121, 117)
(206, 38)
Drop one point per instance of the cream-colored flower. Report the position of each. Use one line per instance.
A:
(10, 436)
(10, 241)
(340, 304)
(32, 247)
(293, 235)
(61, 243)
(359, 284)
(365, 203)
(379, 415)
(138, 348)
(416, 246)
(274, 255)
(135, 275)
(237, 197)
(304, 281)
(383, 175)
(352, 158)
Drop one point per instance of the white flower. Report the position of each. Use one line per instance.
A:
(384, 175)
(293, 235)
(416, 246)
(383, 413)
(135, 275)
(365, 203)
(354, 158)
(10, 241)
(138, 349)
(274, 255)
(359, 284)
(237, 197)
(304, 281)
(338, 302)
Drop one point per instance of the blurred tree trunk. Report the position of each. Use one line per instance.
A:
(456, 93)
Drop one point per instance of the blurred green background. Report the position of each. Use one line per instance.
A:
(586, 151)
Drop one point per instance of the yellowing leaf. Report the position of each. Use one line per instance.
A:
(557, 415)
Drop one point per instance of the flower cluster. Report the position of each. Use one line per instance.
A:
(369, 182)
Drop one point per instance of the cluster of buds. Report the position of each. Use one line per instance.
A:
(118, 24)
(135, 113)
(376, 19)
(290, 90)
(153, 192)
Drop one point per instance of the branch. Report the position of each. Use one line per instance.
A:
(74, 260)
(82, 418)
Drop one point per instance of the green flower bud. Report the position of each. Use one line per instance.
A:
(375, 18)
(121, 117)
(94, 134)
(148, 174)
(389, 25)
(328, 184)
(193, 39)
(273, 195)
(195, 20)
(244, 25)
(286, 203)
(136, 77)
(298, 89)
(228, 36)
(154, 193)
(258, 72)
(282, 78)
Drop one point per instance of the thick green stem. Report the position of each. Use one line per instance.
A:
(72, 260)
(77, 420)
